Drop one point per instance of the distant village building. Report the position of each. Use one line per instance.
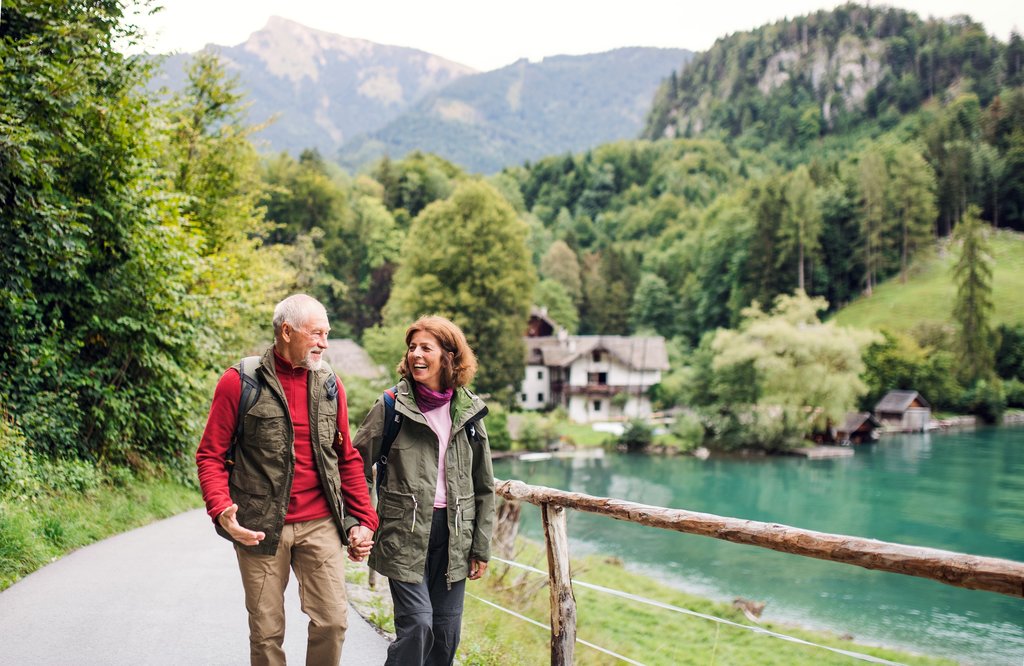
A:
(858, 428)
(595, 377)
(906, 411)
(346, 357)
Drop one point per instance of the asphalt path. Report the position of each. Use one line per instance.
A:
(167, 593)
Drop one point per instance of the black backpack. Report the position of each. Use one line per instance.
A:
(251, 387)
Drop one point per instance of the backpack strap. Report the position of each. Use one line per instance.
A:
(251, 387)
(392, 424)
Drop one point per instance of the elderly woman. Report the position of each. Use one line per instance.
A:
(436, 503)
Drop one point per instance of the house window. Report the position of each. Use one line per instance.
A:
(597, 405)
(540, 374)
(595, 356)
(599, 378)
(524, 397)
(540, 397)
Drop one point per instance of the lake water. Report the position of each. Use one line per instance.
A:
(960, 491)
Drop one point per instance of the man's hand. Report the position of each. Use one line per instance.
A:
(360, 543)
(244, 536)
(477, 569)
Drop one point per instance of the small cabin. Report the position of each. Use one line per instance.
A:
(904, 411)
(858, 428)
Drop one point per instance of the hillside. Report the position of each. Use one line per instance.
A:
(527, 110)
(825, 72)
(321, 88)
(927, 297)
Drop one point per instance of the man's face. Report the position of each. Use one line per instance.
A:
(304, 345)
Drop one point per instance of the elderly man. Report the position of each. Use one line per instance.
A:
(296, 489)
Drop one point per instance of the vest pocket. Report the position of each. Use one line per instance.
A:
(265, 426)
(251, 497)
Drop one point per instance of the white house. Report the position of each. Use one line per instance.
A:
(586, 374)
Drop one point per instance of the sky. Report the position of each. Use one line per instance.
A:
(488, 34)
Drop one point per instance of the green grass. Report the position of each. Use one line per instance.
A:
(638, 631)
(37, 530)
(927, 297)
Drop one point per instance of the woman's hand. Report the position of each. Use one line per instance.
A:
(477, 569)
(360, 543)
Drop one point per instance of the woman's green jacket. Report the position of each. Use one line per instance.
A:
(405, 504)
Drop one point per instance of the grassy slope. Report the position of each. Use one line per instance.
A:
(647, 634)
(929, 292)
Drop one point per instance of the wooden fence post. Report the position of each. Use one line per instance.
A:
(563, 603)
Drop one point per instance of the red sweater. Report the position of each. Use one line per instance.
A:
(307, 501)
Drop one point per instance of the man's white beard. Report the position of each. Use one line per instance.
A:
(310, 364)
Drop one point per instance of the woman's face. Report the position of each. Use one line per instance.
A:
(424, 359)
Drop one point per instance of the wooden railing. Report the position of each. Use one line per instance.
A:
(968, 571)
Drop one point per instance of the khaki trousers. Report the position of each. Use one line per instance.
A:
(313, 550)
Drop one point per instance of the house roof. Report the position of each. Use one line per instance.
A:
(899, 401)
(855, 420)
(636, 352)
(348, 358)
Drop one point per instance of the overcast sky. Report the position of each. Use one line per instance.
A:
(487, 34)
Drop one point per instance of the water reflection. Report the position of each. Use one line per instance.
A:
(962, 492)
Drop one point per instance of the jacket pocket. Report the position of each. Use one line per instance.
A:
(250, 494)
(465, 523)
(395, 536)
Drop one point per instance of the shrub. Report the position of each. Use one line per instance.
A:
(637, 436)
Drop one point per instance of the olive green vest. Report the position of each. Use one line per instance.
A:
(261, 479)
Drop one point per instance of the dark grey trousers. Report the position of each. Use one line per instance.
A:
(428, 616)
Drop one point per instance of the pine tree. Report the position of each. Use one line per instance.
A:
(973, 306)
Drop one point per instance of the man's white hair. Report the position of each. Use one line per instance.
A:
(295, 311)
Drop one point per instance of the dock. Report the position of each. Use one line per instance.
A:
(822, 452)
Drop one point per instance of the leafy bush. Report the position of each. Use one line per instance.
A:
(496, 424)
(1014, 389)
(688, 431)
(986, 400)
(637, 436)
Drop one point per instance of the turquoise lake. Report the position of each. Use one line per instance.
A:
(961, 491)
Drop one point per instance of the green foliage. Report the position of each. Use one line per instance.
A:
(898, 362)
(805, 373)
(497, 428)
(465, 258)
(789, 81)
(987, 400)
(552, 296)
(1010, 353)
(637, 436)
(973, 306)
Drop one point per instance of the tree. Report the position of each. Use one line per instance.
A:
(912, 187)
(871, 177)
(562, 265)
(972, 308)
(801, 222)
(806, 373)
(111, 308)
(653, 307)
(552, 296)
(465, 258)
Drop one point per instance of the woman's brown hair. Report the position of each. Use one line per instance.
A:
(458, 363)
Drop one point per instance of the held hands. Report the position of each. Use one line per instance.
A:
(477, 569)
(240, 534)
(360, 543)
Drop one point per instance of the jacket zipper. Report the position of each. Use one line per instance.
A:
(415, 510)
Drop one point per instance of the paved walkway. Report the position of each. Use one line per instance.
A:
(168, 593)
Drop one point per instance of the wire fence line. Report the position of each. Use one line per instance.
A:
(685, 611)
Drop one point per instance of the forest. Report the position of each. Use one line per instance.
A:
(146, 239)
